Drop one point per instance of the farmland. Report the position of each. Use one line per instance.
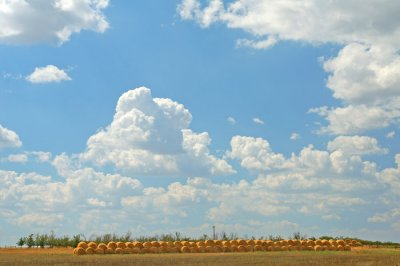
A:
(63, 256)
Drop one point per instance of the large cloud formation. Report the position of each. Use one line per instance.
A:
(150, 136)
(364, 75)
(26, 22)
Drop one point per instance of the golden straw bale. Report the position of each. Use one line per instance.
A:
(209, 249)
(201, 249)
(154, 250)
(147, 244)
(145, 250)
(170, 244)
(201, 244)
(241, 242)
(79, 251)
(128, 250)
(258, 242)
(92, 245)
(277, 244)
(284, 248)
(185, 249)
(112, 245)
(163, 244)
(99, 251)
(194, 250)
(217, 248)
(285, 242)
(119, 251)
(269, 248)
(340, 248)
(347, 248)
(341, 242)
(121, 245)
(310, 248)
(318, 248)
(242, 248)
(249, 248)
(185, 243)
(178, 244)
(332, 248)
(109, 251)
(318, 242)
(325, 242)
(226, 249)
(290, 242)
(193, 244)
(218, 243)
(172, 250)
(311, 243)
(234, 248)
(83, 245)
(250, 242)
(136, 250)
(348, 241)
(129, 245)
(226, 243)
(163, 249)
(234, 243)
(303, 243)
(258, 248)
(137, 244)
(209, 243)
(102, 246)
(89, 251)
(155, 244)
(290, 248)
(358, 244)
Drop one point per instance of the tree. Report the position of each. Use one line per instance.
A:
(30, 242)
(21, 241)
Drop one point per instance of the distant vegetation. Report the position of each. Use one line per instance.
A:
(51, 240)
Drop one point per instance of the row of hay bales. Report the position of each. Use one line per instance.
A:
(212, 246)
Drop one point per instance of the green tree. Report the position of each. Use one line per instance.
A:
(30, 242)
(21, 241)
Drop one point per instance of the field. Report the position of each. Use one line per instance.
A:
(63, 256)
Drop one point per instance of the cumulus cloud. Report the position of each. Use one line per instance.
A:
(8, 138)
(150, 136)
(364, 73)
(17, 158)
(47, 74)
(357, 145)
(295, 136)
(258, 121)
(231, 120)
(26, 22)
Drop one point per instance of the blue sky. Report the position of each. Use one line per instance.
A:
(164, 116)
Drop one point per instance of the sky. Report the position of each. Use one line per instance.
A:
(259, 117)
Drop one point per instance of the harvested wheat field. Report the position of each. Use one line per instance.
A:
(63, 256)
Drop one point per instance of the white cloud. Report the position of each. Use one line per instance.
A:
(17, 158)
(295, 136)
(150, 136)
(26, 22)
(391, 134)
(259, 44)
(39, 219)
(258, 121)
(8, 138)
(379, 218)
(356, 145)
(47, 74)
(331, 217)
(231, 120)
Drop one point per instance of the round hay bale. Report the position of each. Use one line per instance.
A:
(290, 248)
(145, 250)
(325, 242)
(310, 248)
(249, 248)
(318, 242)
(226, 249)
(112, 245)
(209, 249)
(170, 244)
(121, 245)
(119, 251)
(129, 245)
(185, 243)
(284, 242)
(258, 242)
(79, 251)
(284, 248)
(99, 251)
(83, 245)
(226, 243)
(303, 243)
(347, 248)
(341, 242)
(201, 249)
(136, 251)
(290, 242)
(185, 249)
(310, 243)
(154, 250)
(102, 246)
(155, 244)
(258, 248)
(172, 249)
(250, 242)
(178, 244)
(234, 248)
(332, 248)
(193, 244)
(193, 250)
(92, 245)
(269, 248)
(217, 248)
(318, 248)
(241, 248)
(241, 242)
(109, 251)
(89, 251)
(218, 243)
(209, 243)
(234, 243)
(163, 249)
(201, 244)
(138, 244)
(340, 248)
(147, 244)
(128, 250)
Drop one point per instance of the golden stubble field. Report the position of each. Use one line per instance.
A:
(63, 256)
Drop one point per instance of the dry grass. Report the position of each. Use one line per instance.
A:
(358, 257)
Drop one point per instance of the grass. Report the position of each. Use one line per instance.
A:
(358, 257)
